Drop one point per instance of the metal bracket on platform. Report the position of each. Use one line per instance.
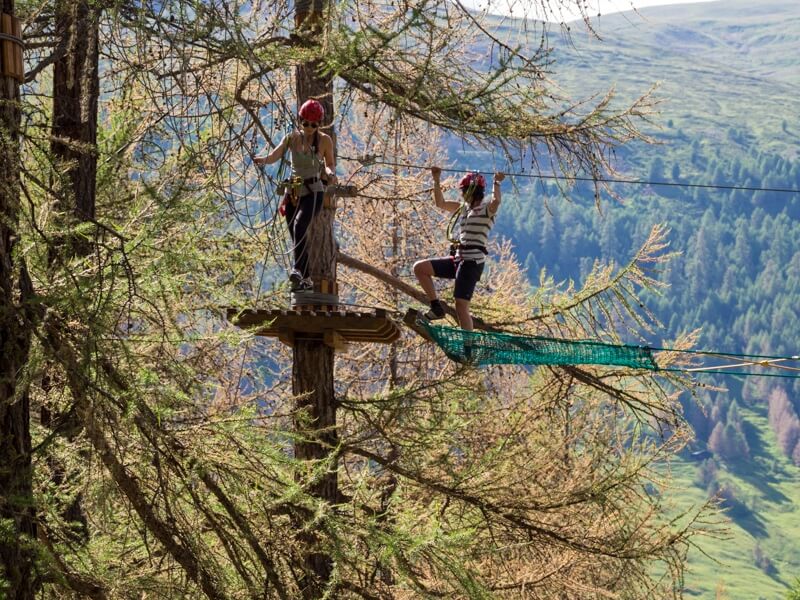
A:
(336, 328)
(314, 298)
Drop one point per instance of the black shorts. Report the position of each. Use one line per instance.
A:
(467, 273)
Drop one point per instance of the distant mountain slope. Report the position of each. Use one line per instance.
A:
(737, 30)
(719, 64)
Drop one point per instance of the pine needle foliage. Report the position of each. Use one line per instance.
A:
(503, 483)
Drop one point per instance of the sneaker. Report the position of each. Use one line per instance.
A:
(299, 284)
(469, 355)
(436, 311)
(295, 280)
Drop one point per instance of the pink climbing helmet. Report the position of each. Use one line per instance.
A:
(473, 179)
(312, 111)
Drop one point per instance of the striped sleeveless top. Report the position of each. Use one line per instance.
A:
(474, 225)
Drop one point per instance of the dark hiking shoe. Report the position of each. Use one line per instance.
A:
(469, 354)
(436, 311)
(296, 281)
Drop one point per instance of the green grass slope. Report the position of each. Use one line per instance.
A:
(764, 512)
(718, 65)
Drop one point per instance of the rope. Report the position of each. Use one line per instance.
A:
(731, 373)
(455, 221)
(765, 357)
(369, 160)
(12, 38)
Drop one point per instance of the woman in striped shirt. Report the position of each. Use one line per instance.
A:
(465, 265)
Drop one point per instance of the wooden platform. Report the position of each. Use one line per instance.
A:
(411, 319)
(335, 328)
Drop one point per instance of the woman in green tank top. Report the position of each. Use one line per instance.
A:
(312, 161)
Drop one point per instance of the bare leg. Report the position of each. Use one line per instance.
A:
(424, 272)
(464, 317)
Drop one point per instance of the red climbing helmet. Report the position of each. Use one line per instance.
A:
(312, 111)
(473, 179)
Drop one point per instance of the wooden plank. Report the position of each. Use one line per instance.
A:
(270, 322)
(335, 340)
(410, 319)
(11, 62)
(384, 338)
(19, 64)
(379, 329)
(247, 318)
(327, 286)
(286, 336)
(8, 47)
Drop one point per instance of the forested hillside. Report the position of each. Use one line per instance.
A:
(728, 118)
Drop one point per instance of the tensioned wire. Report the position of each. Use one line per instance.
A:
(263, 195)
(758, 360)
(731, 373)
(366, 161)
(720, 369)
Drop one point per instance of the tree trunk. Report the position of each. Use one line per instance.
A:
(312, 368)
(75, 93)
(16, 487)
(73, 146)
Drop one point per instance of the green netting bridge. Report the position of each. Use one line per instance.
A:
(494, 348)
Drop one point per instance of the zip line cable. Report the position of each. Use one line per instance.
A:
(731, 373)
(368, 160)
(742, 360)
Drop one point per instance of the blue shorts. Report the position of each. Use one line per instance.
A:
(467, 273)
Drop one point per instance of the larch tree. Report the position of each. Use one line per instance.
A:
(219, 471)
(17, 523)
(73, 147)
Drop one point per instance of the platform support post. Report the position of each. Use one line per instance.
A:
(312, 367)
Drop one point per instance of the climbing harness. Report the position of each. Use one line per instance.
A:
(289, 190)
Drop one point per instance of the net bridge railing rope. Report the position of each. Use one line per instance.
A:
(495, 348)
